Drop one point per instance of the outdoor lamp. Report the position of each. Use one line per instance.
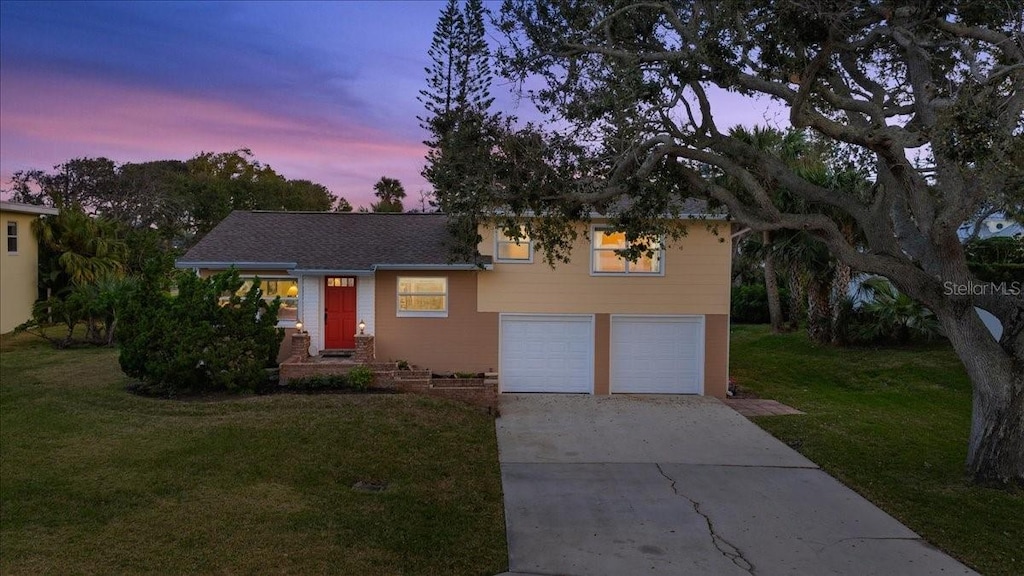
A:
(362, 327)
(298, 327)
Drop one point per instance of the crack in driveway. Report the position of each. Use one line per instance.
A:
(730, 551)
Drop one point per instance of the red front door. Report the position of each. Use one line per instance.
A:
(340, 313)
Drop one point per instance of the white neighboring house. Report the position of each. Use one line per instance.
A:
(994, 226)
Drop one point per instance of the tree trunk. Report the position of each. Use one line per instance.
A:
(797, 298)
(771, 284)
(840, 291)
(995, 453)
(819, 320)
(111, 325)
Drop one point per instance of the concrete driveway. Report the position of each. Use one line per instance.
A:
(681, 485)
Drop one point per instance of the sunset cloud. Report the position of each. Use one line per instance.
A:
(323, 91)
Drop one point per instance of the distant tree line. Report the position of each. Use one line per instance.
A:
(122, 225)
(179, 201)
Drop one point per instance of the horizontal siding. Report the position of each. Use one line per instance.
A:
(312, 311)
(696, 281)
(365, 296)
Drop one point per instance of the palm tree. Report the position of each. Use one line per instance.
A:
(87, 249)
(892, 315)
(391, 192)
(815, 277)
(82, 261)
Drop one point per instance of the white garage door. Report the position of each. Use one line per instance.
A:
(547, 353)
(657, 354)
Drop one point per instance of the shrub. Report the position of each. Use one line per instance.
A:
(997, 259)
(208, 337)
(750, 304)
(319, 382)
(886, 316)
(360, 378)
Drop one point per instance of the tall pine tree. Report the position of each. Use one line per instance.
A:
(457, 101)
(442, 75)
(475, 67)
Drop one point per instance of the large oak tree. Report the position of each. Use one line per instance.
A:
(925, 97)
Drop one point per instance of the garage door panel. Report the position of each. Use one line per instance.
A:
(543, 353)
(657, 355)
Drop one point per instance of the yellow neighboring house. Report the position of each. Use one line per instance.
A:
(19, 262)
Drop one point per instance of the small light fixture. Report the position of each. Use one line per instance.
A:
(298, 327)
(362, 327)
(293, 291)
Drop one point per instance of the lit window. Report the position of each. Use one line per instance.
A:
(422, 296)
(512, 249)
(12, 237)
(286, 288)
(606, 261)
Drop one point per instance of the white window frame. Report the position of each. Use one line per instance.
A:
(497, 245)
(420, 313)
(597, 228)
(9, 236)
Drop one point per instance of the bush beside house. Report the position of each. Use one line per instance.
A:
(208, 337)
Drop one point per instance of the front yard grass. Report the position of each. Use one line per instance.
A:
(96, 480)
(893, 425)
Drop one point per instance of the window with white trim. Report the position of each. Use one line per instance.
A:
(285, 287)
(12, 237)
(422, 296)
(605, 244)
(508, 249)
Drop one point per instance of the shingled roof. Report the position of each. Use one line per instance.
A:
(325, 241)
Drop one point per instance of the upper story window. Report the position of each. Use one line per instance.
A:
(282, 286)
(512, 249)
(12, 237)
(422, 296)
(605, 260)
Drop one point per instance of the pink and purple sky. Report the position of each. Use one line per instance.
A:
(324, 91)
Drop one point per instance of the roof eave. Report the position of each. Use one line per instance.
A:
(439, 267)
(21, 208)
(236, 265)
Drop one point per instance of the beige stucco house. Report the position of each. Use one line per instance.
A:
(599, 325)
(19, 263)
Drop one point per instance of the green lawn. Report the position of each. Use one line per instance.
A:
(95, 480)
(892, 424)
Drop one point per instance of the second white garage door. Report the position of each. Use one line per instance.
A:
(657, 354)
(546, 353)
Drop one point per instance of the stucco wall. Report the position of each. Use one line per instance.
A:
(716, 355)
(695, 281)
(18, 271)
(465, 341)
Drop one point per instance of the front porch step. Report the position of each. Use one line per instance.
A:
(337, 353)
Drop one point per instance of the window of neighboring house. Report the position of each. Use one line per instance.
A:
(422, 296)
(283, 286)
(512, 250)
(12, 237)
(605, 260)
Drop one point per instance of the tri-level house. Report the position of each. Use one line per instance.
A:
(598, 325)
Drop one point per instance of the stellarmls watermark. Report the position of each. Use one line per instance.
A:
(972, 288)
